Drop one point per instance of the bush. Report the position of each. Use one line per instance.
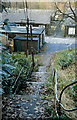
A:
(66, 59)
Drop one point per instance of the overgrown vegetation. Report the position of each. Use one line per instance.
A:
(11, 66)
(65, 63)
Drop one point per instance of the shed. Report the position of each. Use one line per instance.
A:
(37, 17)
(20, 44)
(20, 37)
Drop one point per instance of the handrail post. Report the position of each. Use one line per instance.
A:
(59, 108)
(55, 75)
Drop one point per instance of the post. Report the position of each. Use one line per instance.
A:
(16, 6)
(31, 32)
(31, 36)
(59, 109)
(27, 43)
(27, 52)
(33, 64)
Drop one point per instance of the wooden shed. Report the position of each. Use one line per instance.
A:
(20, 44)
(20, 39)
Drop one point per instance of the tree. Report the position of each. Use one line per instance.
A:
(71, 13)
(2, 7)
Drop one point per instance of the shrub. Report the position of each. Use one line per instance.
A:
(66, 59)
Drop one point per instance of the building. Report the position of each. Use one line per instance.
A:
(18, 36)
(69, 27)
(68, 21)
(36, 17)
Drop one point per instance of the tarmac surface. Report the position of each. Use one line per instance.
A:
(57, 44)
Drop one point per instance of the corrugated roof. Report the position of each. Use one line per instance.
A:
(35, 16)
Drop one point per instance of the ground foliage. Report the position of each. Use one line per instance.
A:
(65, 62)
(11, 66)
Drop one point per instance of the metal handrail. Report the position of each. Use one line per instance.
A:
(59, 100)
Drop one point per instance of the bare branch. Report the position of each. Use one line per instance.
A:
(73, 18)
(72, 9)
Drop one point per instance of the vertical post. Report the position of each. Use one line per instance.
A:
(27, 43)
(27, 27)
(59, 109)
(33, 64)
(39, 41)
(27, 37)
(16, 6)
(31, 36)
(31, 32)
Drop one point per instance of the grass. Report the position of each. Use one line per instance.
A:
(64, 62)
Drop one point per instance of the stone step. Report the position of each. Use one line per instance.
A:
(42, 68)
(39, 73)
(36, 83)
(40, 77)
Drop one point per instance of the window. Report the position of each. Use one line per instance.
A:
(71, 31)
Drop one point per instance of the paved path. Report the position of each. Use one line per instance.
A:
(53, 45)
(57, 44)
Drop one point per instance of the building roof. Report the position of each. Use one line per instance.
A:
(35, 16)
(21, 30)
